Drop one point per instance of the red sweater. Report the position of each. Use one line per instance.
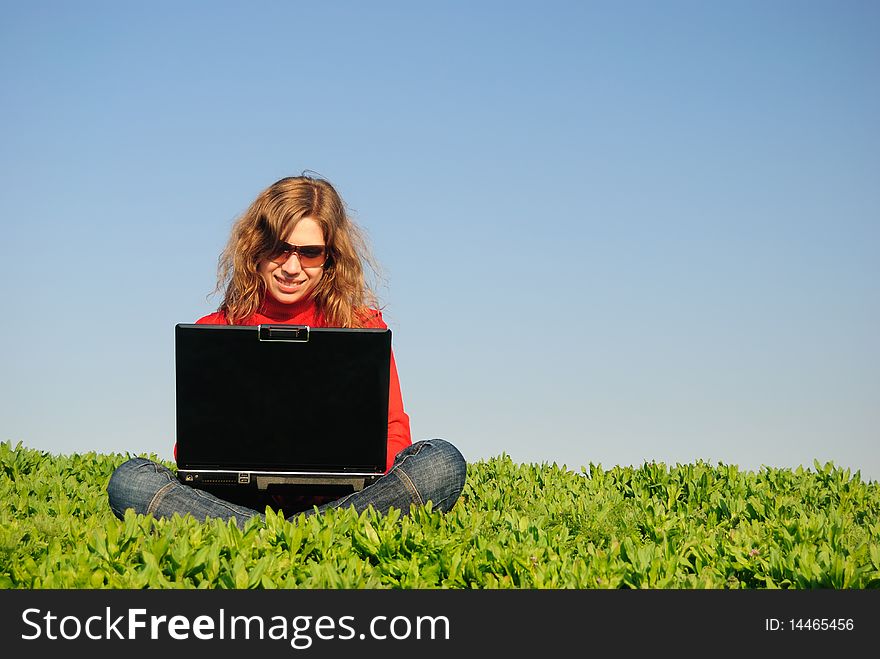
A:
(305, 313)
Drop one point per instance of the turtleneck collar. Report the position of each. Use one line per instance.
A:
(303, 311)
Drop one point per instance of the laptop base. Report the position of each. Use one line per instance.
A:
(263, 481)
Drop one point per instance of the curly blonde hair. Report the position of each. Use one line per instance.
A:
(343, 296)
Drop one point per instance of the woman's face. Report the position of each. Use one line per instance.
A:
(288, 281)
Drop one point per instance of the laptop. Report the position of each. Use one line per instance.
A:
(281, 405)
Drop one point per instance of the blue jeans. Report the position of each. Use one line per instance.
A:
(431, 470)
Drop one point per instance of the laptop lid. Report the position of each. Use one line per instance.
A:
(281, 400)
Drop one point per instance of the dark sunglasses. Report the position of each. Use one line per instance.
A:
(310, 256)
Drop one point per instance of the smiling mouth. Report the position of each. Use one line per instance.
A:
(288, 284)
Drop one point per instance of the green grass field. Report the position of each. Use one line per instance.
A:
(516, 526)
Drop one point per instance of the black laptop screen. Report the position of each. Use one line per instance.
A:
(282, 398)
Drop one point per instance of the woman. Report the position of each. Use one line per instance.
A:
(295, 257)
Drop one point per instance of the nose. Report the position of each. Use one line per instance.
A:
(292, 265)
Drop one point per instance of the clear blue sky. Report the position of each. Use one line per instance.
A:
(611, 232)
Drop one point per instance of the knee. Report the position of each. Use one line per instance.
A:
(444, 472)
(453, 462)
(132, 484)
